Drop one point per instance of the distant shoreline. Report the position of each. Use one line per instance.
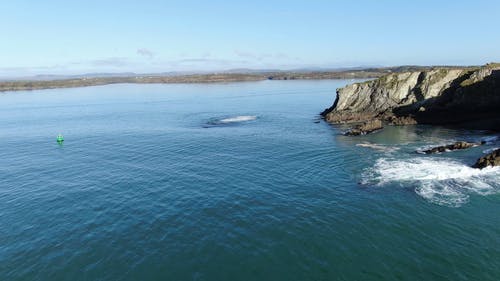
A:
(74, 82)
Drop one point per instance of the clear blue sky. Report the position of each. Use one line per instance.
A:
(154, 36)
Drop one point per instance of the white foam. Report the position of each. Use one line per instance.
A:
(441, 181)
(487, 151)
(491, 139)
(241, 118)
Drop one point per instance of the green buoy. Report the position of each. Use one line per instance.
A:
(60, 138)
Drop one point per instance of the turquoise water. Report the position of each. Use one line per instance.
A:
(234, 182)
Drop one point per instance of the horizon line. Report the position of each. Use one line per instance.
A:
(241, 70)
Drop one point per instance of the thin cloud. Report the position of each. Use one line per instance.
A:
(261, 56)
(208, 60)
(244, 54)
(113, 62)
(145, 53)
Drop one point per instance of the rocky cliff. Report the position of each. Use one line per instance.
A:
(468, 97)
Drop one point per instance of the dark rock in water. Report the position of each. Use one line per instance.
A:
(365, 128)
(450, 147)
(492, 159)
(402, 120)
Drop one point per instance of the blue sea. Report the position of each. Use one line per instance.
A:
(236, 181)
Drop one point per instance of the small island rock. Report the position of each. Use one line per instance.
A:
(491, 159)
(450, 147)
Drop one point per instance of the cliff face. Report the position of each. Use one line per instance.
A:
(438, 96)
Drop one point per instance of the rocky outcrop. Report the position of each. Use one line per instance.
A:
(401, 120)
(450, 147)
(365, 128)
(461, 96)
(492, 159)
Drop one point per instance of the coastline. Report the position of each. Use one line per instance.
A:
(35, 83)
(26, 85)
(464, 98)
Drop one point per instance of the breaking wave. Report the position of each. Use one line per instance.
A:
(490, 139)
(440, 181)
(490, 150)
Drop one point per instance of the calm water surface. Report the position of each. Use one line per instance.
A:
(234, 182)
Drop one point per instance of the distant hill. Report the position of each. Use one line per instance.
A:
(234, 75)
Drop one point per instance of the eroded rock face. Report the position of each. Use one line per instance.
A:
(365, 128)
(450, 147)
(358, 101)
(437, 96)
(492, 159)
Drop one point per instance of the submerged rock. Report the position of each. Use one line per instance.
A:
(492, 159)
(365, 128)
(450, 147)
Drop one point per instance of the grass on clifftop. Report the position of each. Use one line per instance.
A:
(493, 65)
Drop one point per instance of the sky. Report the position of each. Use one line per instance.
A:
(74, 37)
